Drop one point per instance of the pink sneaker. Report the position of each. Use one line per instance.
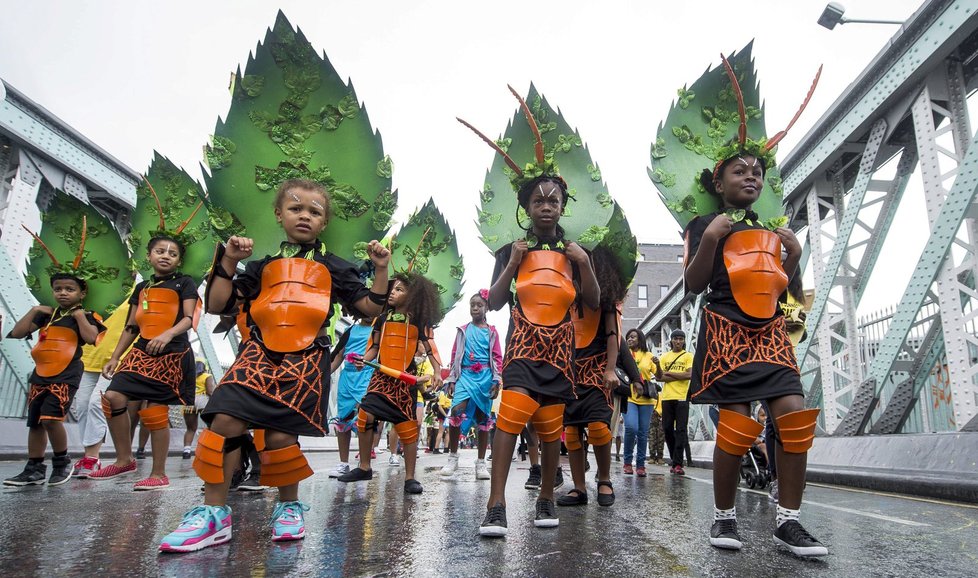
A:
(85, 467)
(627, 469)
(640, 472)
(112, 470)
(151, 484)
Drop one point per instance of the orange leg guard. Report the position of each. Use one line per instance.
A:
(155, 417)
(259, 440)
(598, 434)
(736, 433)
(106, 407)
(797, 430)
(362, 422)
(407, 432)
(209, 457)
(548, 421)
(572, 438)
(284, 467)
(515, 409)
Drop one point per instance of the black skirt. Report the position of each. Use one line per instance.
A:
(740, 360)
(540, 359)
(168, 378)
(286, 392)
(591, 406)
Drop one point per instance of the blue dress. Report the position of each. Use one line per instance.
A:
(352, 383)
(475, 380)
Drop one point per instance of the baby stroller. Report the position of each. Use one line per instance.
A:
(753, 469)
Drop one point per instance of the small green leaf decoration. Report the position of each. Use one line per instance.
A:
(179, 195)
(292, 116)
(736, 215)
(565, 147)
(622, 243)
(593, 235)
(103, 263)
(702, 121)
(435, 254)
(776, 222)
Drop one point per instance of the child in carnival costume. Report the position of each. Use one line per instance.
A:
(734, 244)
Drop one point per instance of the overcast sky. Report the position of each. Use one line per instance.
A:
(135, 76)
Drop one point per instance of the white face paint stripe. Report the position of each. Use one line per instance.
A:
(295, 197)
(546, 194)
(316, 204)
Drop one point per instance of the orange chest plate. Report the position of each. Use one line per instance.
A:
(156, 311)
(241, 320)
(757, 279)
(545, 287)
(293, 304)
(585, 327)
(398, 343)
(54, 352)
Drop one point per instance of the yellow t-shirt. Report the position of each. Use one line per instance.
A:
(643, 359)
(424, 369)
(94, 357)
(677, 362)
(794, 317)
(202, 384)
(444, 401)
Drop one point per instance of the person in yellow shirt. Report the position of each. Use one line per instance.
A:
(674, 369)
(641, 403)
(203, 388)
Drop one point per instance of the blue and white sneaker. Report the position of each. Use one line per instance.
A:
(287, 521)
(201, 527)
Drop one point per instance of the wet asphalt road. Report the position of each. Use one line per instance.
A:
(658, 527)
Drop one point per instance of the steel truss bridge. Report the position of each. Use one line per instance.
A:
(903, 121)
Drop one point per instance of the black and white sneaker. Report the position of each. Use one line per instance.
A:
(60, 471)
(533, 482)
(724, 535)
(250, 484)
(494, 525)
(559, 478)
(796, 538)
(546, 515)
(33, 475)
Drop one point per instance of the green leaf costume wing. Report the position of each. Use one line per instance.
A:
(586, 216)
(703, 119)
(292, 116)
(622, 244)
(103, 262)
(179, 195)
(427, 241)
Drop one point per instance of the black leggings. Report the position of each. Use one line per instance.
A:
(675, 423)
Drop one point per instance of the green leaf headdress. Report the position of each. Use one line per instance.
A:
(709, 124)
(70, 227)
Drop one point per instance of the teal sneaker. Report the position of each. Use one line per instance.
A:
(201, 527)
(287, 521)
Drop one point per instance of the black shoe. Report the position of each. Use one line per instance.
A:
(60, 471)
(587, 465)
(794, 537)
(489, 458)
(546, 515)
(33, 475)
(438, 451)
(724, 535)
(606, 499)
(187, 454)
(252, 483)
(533, 482)
(494, 524)
(412, 487)
(141, 454)
(559, 478)
(357, 475)
(574, 497)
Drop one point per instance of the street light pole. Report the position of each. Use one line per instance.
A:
(833, 15)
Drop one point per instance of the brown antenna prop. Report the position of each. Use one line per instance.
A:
(509, 161)
(538, 148)
(159, 208)
(421, 242)
(186, 222)
(777, 138)
(43, 246)
(742, 131)
(81, 244)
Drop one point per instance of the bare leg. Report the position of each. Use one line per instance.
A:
(365, 442)
(483, 441)
(229, 427)
(57, 435)
(161, 446)
(551, 458)
(37, 442)
(503, 445)
(602, 455)
(533, 445)
(120, 429)
(188, 436)
(576, 459)
(726, 469)
(410, 459)
(343, 441)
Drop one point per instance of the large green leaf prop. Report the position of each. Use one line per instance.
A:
(104, 262)
(586, 216)
(429, 243)
(703, 119)
(179, 195)
(293, 116)
(622, 244)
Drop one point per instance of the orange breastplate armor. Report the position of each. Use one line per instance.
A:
(293, 304)
(585, 327)
(757, 279)
(398, 343)
(157, 311)
(545, 287)
(54, 351)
